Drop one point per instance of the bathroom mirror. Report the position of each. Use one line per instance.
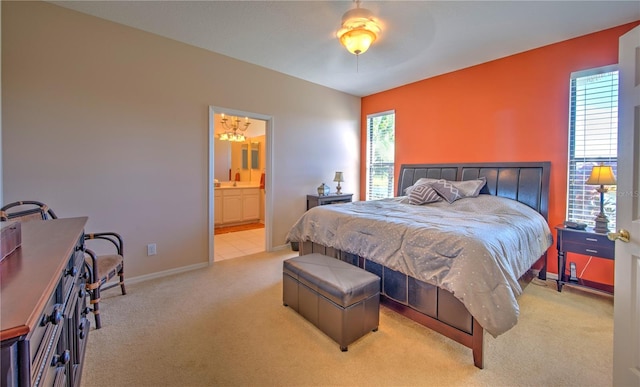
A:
(255, 155)
(222, 160)
(245, 156)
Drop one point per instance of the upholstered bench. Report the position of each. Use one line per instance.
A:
(342, 300)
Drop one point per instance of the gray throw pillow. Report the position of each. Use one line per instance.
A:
(470, 188)
(423, 194)
(447, 190)
(421, 181)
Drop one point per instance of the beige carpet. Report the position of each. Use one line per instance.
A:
(225, 325)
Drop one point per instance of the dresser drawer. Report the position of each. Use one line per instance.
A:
(55, 373)
(44, 342)
(70, 274)
(44, 331)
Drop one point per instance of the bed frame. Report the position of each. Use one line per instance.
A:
(427, 304)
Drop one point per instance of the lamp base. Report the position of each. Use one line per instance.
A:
(338, 189)
(602, 224)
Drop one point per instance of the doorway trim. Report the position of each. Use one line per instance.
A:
(268, 201)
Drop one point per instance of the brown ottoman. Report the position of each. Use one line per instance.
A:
(342, 300)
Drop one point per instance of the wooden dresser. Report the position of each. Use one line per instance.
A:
(43, 315)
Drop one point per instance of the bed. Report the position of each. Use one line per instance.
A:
(452, 276)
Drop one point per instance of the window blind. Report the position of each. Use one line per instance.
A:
(380, 155)
(593, 139)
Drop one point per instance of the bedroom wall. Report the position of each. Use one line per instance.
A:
(111, 122)
(510, 109)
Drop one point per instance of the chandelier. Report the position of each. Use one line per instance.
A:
(232, 126)
(359, 30)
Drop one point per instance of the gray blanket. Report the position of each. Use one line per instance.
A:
(476, 248)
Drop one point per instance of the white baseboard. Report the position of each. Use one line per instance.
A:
(281, 247)
(160, 274)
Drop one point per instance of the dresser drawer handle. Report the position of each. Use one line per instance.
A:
(60, 360)
(591, 239)
(71, 272)
(54, 318)
(591, 251)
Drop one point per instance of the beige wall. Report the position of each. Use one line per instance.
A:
(111, 122)
(1, 190)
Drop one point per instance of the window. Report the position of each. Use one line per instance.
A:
(593, 139)
(380, 155)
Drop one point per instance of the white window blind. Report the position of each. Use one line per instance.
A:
(380, 155)
(593, 139)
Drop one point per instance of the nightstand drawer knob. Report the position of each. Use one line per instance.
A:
(623, 235)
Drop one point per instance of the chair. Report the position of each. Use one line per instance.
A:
(103, 268)
(100, 268)
(27, 210)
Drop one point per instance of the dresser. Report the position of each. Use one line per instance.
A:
(43, 314)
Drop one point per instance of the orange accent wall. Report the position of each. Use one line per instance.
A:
(510, 109)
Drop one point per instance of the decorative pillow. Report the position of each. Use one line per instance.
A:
(423, 194)
(421, 181)
(447, 190)
(470, 188)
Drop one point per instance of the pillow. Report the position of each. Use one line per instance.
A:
(466, 189)
(421, 181)
(447, 190)
(470, 188)
(423, 194)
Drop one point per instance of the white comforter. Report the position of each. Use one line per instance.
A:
(476, 248)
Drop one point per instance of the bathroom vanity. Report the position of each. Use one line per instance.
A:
(236, 204)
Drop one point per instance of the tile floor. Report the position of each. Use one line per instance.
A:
(238, 244)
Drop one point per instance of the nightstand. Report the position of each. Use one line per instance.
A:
(585, 242)
(321, 200)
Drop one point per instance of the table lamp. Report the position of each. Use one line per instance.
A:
(601, 175)
(339, 178)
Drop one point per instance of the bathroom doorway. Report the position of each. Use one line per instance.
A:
(239, 205)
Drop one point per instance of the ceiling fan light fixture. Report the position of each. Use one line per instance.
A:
(359, 30)
(358, 40)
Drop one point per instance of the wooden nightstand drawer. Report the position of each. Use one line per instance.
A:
(589, 249)
(321, 200)
(586, 238)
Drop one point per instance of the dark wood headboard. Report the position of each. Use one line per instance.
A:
(526, 182)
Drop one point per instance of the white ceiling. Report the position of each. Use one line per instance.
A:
(420, 39)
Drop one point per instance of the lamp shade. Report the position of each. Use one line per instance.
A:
(357, 41)
(338, 177)
(601, 175)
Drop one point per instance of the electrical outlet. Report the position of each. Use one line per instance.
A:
(151, 249)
